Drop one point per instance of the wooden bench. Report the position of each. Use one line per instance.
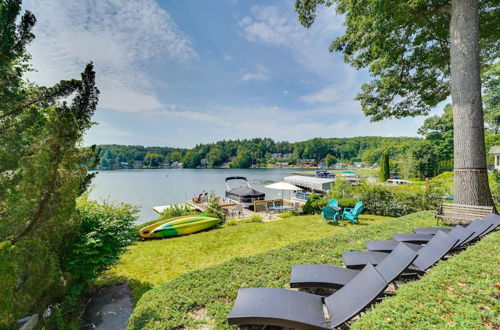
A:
(461, 214)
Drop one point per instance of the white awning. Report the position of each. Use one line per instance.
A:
(308, 182)
(282, 186)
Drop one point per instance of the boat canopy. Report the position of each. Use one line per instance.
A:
(311, 183)
(235, 178)
(246, 192)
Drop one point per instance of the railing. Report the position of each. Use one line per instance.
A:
(266, 205)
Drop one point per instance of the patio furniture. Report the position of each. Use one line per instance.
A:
(300, 310)
(431, 230)
(282, 208)
(432, 252)
(463, 234)
(325, 276)
(460, 214)
(330, 214)
(352, 214)
(333, 203)
(478, 226)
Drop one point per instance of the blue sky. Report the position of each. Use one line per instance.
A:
(179, 73)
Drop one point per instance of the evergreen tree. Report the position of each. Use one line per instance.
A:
(41, 171)
(384, 173)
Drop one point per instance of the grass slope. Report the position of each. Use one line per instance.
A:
(149, 263)
(461, 293)
(207, 295)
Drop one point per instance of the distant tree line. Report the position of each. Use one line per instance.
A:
(258, 151)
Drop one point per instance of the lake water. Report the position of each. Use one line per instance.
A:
(152, 187)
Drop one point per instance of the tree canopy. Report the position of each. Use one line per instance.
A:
(259, 151)
(406, 46)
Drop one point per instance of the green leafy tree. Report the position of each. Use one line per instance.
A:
(153, 160)
(426, 160)
(438, 130)
(104, 162)
(420, 52)
(491, 98)
(175, 156)
(330, 160)
(243, 159)
(215, 157)
(384, 171)
(408, 166)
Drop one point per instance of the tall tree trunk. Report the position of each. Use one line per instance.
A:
(471, 176)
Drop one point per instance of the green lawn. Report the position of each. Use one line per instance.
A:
(207, 295)
(149, 263)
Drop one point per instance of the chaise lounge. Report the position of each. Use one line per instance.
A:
(463, 234)
(437, 248)
(294, 309)
(325, 276)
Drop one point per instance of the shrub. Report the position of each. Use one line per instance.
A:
(348, 202)
(340, 189)
(31, 271)
(175, 210)
(314, 204)
(391, 201)
(214, 208)
(106, 230)
(288, 214)
(253, 218)
(231, 222)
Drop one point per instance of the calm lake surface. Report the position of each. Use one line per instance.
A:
(153, 187)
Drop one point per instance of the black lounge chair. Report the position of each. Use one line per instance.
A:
(490, 218)
(494, 220)
(412, 238)
(294, 309)
(463, 234)
(430, 230)
(325, 276)
(428, 255)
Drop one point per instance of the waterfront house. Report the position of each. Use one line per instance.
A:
(495, 151)
(281, 164)
(281, 156)
(307, 163)
(339, 166)
(357, 164)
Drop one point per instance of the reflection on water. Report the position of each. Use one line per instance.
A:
(148, 188)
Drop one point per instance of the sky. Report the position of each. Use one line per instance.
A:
(181, 73)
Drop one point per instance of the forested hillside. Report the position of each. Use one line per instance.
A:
(244, 153)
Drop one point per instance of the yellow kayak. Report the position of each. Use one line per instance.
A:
(184, 225)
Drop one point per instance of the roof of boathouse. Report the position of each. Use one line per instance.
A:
(308, 182)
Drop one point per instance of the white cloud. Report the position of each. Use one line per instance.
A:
(254, 76)
(278, 27)
(228, 58)
(326, 95)
(119, 36)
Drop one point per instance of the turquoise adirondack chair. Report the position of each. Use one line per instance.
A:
(352, 214)
(329, 214)
(333, 203)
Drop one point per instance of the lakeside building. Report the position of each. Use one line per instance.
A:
(495, 151)
(281, 156)
(339, 166)
(281, 164)
(307, 162)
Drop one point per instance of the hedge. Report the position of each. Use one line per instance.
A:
(207, 295)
